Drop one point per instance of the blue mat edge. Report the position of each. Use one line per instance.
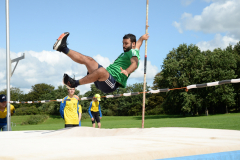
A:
(231, 155)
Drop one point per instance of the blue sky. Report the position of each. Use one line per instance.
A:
(96, 29)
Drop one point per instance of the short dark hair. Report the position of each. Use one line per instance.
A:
(131, 36)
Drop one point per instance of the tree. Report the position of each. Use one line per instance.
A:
(38, 90)
(53, 107)
(15, 95)
(220, 65)
(155, 101)
(182, 67)
(236, 51)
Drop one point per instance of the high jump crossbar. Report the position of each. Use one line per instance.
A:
(203, 85)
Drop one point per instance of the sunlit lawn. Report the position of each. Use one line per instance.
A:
(223, 121)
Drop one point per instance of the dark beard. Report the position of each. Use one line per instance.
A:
(128, 49)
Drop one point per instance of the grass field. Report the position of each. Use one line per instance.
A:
(223, 121)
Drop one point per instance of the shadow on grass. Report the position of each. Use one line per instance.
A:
(161, 116)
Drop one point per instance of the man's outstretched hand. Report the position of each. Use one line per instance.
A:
(124, 71)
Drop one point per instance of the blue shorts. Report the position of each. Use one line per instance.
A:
(107, 86)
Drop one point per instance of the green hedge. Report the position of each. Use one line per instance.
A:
(85, 116)
(35, 119)
(32, 110)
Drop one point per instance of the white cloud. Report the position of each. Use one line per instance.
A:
(43, 67)
(105, 62)
(178, 26)
(208, 1)
(186, 2)
(219, 17)
(84, 88)
(49, 66)
(139, 73)
(219, 41)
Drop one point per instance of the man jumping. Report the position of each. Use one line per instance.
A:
(115, 75)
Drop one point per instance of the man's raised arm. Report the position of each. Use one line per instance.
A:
(140, 41)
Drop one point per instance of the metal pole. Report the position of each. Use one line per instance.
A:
(8, 67)
(145, 68)
(15, 60)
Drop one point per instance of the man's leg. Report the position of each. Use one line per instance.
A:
(93, 122)
(61, 46)
(4, 128)
(101, 74)
(95, 73)
(98, 119)
(99, 125)
(89, 62)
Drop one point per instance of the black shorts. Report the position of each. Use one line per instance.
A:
(71, 125)
(107, 86)
(95, 117)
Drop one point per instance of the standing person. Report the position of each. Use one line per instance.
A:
(3, 112)
(115, 75)
(70, 109)
(80, 111)
(94, 110)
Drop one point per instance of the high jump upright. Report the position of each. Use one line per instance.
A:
(145, 67)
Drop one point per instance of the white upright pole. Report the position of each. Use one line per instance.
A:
(8, 67)
(145, 68)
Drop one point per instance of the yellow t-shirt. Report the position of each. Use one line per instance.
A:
(70, 109)
(3, 115)
(95, 106)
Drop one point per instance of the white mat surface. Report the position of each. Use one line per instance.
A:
(101, 144)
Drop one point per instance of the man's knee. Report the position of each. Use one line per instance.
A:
(102, 70)
(89, 60)
(103, 74)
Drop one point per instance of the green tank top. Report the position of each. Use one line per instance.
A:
(124, 61)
